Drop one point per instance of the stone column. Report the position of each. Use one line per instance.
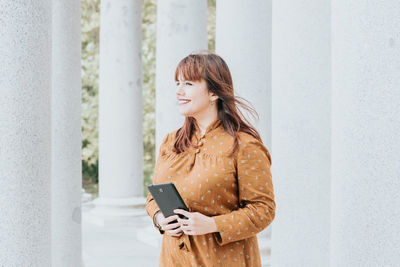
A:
(25, 155)
(66, 134)
(243, 40)
(301, 132)
(120, 109)
(181, 30)
(365, 133)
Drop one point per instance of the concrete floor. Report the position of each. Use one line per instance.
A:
(119, 244)
(123, 243)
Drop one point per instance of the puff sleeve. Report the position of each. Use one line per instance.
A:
(255, 195)
(151, 205)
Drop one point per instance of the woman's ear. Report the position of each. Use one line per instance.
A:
(213, 97)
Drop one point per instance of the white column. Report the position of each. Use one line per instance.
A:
(25, 156)
(66, 134)
(243, 40)
(181, 30)
(301, 132)
(365, 133)
(120, 108)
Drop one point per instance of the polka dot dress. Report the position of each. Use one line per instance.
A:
(236, 191)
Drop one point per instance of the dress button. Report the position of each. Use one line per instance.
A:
(197, 150)
(200, 143)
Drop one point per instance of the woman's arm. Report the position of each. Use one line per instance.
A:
(256, 196)
(151, 205)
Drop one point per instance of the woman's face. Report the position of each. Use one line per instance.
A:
(193, 98)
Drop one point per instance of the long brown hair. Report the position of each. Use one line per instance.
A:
(213, 69)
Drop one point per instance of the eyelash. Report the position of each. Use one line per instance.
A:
(187, 83)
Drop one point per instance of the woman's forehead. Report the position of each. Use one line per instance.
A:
(182, 77)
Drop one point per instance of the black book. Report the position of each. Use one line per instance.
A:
(167, 198)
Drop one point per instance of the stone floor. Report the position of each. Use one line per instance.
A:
(124, 243)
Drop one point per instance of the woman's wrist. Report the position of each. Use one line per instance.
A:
(155, 221)
(213, 225)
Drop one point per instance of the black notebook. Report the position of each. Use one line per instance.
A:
(167, 198)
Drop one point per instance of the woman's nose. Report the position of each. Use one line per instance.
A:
(179, 90)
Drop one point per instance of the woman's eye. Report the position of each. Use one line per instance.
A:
(186, 83)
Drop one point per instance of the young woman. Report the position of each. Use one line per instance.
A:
(221, 168)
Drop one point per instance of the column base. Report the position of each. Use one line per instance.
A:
(115, 210)
(85, 197)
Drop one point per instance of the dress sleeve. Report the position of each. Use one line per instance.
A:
(256, 196)
(151, 205)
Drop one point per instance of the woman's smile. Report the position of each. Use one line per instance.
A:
(183, 101)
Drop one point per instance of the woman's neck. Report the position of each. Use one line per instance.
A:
(203, 124)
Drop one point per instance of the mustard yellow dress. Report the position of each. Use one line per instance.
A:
(237, 191)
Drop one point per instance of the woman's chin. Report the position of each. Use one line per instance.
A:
(184, 112)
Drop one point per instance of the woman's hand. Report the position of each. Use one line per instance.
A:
(196, 224)
(169, 228)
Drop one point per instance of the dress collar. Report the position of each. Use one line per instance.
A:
(213, 125)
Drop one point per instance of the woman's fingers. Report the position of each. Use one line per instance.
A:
(183, 221)
(189, 232)
(195, 224)
(171, 226)
(186, 227)
(185, 213)
(174, 232)
(169, 219)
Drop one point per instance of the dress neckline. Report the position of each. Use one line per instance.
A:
(213, 125)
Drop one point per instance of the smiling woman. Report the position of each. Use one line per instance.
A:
(221, 168)
(195, 100)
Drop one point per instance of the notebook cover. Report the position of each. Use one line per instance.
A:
(167, 198)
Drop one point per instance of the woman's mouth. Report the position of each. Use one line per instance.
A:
(183, 102)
